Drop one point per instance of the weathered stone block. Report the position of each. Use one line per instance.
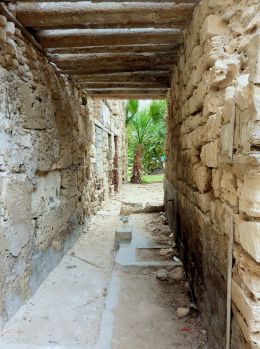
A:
(229, 188)
(249, 236)
(250, 196)
(46, 193)
(216, 182)
(212, 102)
(228, 111)
(209, 154)
(213, 26)
(224, 71)
(2, 36)
(256, 102)
(10, 28)
(3, 21)
(123, 234)
(254, 59)
(213, 127)
(249, 309)
(203, 200)
(202, 177)
(219, 4)
(16, 227)
(46, 150)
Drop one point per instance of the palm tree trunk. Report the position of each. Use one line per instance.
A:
(136, 177)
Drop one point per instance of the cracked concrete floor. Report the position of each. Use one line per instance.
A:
(90, 302)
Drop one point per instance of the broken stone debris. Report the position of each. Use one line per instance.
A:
(182, 312)
(162, 275)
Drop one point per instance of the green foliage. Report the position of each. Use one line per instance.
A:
(146, 127)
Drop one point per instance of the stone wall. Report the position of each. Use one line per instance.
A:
(49, 180)
(212, 186)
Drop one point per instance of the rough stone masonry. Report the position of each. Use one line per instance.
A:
(213, 167)
(57, 149)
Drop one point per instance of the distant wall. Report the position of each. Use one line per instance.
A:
(212, 185)
(49, 178)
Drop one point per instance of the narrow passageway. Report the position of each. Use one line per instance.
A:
(99, 298)
(85, 264)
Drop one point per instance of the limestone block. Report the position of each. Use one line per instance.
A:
(200, 13)
(250, 196)
(196, 101)
(243, 94)
(254, 133)
(213, 26)
(253, 51)
(46, 193)
(252, 337)
(31, 108)
(69, 183)
(248, 308)
(213, 127)
(202, 177)
(226, 139)
(66, 212)
(193, 139)
(16, 226)
(2, 36)
(256, 102)
(216, 182)
(223, 216)
(209, 154)
(213, 50)
(46, 150)
(228, 111)
(3, 21)
(191, 123)
(5, 146)
(228, 187)
(249, 236)
(219, 4)
(203, 200)
(248, 271)
(46, 228)
(212, 102)
(224, 71)
(10, 28)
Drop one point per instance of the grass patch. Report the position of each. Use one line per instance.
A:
(146, 179)
(152, 178)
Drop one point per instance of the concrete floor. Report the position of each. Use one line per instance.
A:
(91, 302)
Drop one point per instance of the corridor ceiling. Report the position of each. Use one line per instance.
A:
(112, 48)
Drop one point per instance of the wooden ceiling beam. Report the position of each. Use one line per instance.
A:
(81, 14)
(116, 49)
(126, 76)
(128, 94)
(107, 37)
(150, 96)
(78, 64)
(124, 85)
(74, 60)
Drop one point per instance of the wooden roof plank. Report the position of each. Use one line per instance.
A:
(126, 76)
(82, 14)
(125, 85)
(143, 48)
(107, 37)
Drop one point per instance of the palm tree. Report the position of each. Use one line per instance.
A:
(145, 128)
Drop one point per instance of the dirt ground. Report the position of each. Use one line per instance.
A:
(92, 301)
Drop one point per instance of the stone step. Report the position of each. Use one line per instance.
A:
(36, 346)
